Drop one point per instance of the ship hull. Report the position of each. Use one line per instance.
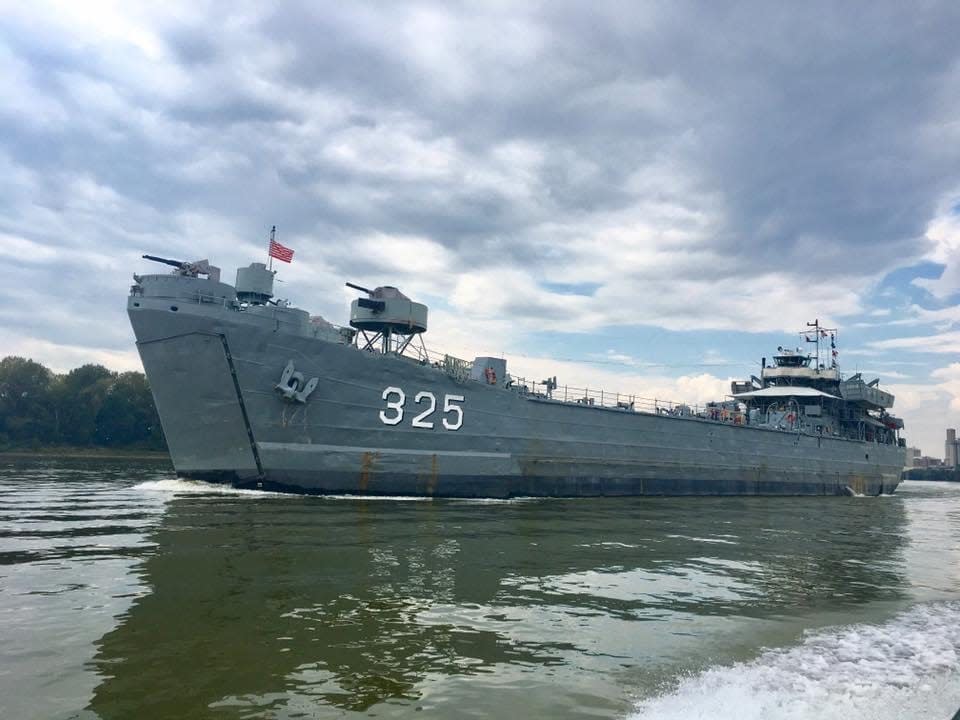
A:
(214, 374)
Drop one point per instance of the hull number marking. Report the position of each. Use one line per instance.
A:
(395, 398)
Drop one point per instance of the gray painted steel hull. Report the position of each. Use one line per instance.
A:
(213, 373)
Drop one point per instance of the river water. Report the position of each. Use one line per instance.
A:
(126, 593)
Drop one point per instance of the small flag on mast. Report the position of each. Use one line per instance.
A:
(278, 251)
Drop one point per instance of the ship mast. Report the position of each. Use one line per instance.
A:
(820, 332)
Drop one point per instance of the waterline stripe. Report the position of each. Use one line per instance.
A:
(304, 447)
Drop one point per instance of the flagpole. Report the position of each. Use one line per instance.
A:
(273, 236)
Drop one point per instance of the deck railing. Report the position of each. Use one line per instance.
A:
(597, 397)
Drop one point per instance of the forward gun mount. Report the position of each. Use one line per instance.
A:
(189, 269)
(387, 318)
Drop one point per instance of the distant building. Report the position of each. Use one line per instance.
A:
(950, 449)
(927, 462)
(913, 454)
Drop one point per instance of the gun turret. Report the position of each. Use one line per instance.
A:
(361, 289)
(165, 261)
(189, 269)
(386, 313)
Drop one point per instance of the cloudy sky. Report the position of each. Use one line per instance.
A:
(643, 196)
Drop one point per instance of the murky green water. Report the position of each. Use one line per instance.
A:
(126, 593)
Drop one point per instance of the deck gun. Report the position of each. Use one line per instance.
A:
(189, 269)
(368, 302)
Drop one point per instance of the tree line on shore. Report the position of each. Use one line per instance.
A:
(90, 406)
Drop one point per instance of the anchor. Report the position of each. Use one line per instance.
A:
(292, 385)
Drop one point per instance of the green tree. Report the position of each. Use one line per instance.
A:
(80, 395)
(127, 415)
(26, 406)
(90, 405)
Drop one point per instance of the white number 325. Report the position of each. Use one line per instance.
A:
(395, 398)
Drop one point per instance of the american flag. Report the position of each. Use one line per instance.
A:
(280, 252)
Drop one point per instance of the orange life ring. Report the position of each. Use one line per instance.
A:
(491, 376)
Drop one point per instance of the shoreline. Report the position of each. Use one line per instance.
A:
(934, 474)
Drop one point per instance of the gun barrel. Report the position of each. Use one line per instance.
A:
(165, 261)
(361, 289)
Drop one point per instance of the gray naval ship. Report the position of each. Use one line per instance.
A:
(256, 393)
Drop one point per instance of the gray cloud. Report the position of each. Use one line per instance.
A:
(816, 127)
(599, 144)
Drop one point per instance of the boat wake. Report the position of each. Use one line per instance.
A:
(177, 486)
(390, 498)
(908, 667)
(198, 487)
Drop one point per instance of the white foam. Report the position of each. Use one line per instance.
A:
(187, 487)
(391, 498)
(718, 540)
(431, 498)
(180, 486)
(908, 667)
(498, 501)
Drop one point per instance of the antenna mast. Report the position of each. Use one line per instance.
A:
(816, 334)
(821, 332)
(273, 237)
